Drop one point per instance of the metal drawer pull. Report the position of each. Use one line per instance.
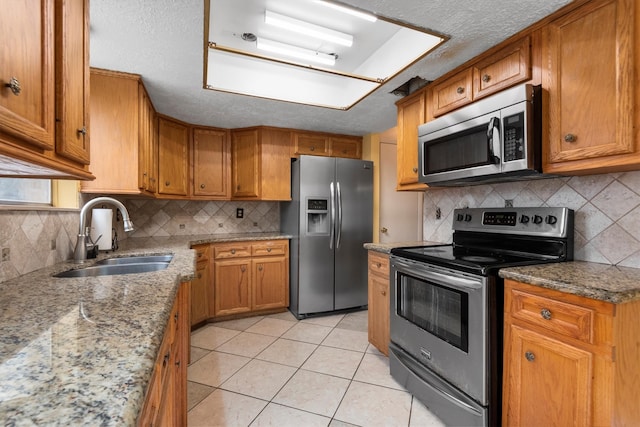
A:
(268, 249)
(243, 268)
(570, 137)
(530, 356)
(545, 313)
(201, 185)
(460, 89)
(14, 85)
(486, 78)
(233, 251)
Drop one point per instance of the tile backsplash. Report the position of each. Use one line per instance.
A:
(607, 219)
(607, 211)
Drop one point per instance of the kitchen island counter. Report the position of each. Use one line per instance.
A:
(81, 351)
(602, 282)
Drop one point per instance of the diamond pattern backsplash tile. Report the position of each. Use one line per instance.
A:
(607, 211)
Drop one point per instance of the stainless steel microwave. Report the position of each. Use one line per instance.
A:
(497, 138)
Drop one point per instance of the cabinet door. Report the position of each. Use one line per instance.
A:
(72, 80)
(245, 167)
(504, 68)
(346, 147)
(27, 58)
(173, 161)
(231, 286)
(211, 166)
(270, 283)
(200, 293)
(411, 114)
(546, 382)
(590, 79)
(148, 137)
(379, 311)
(452, 93)
(313, 144)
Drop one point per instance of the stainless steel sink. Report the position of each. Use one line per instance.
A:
(117, 266)
(137, 259)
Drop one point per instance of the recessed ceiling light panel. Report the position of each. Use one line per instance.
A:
(307, 28)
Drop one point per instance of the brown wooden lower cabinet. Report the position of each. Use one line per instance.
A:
(569, 360)
(240, 278)
(378, 284)
(166, 398)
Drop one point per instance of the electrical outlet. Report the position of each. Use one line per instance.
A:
(438, 213)
(239, 213)
(181, 226)
(508, 203)
(220, 225)
(53, 244)
(6, 254)
(255, 224)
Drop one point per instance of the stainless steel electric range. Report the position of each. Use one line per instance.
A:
(447, 307)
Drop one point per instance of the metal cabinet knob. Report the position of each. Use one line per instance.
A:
(486, 78)
(460, 90)
(82, 131)
(14, 85)
(233, 251)
(530, 356)
(201, 185)
(415, 170)
(260, 267)
(545, 313)
(312, 148)
(378, 265)
(570, 138)
(243, 268)
(167, 183)
(383, 293)
(268, 249)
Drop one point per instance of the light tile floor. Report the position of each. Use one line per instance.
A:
(277, 371)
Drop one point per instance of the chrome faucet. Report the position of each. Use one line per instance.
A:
(80, 252)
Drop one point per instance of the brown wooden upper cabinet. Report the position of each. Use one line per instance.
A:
(173, 160)
(591, 80)
(326, 144)
(211, 163)
(43, 85)
(411, 114)
(504, 68)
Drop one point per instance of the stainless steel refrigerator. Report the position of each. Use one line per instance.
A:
(331, 217)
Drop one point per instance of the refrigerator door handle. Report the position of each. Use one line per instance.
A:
(339, 225)
(332, 221)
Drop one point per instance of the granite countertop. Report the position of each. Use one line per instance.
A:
(80, 351)
(385, 248)
(602, 282)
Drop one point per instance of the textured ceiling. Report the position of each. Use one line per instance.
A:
(163, 41)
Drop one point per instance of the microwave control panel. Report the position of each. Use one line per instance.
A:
(513, 127)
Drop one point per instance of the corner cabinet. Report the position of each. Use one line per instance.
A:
(43, 87)
(378, 300)
(411, 114)
(593, 98)
(261, 164)
(166, 397)
(569, 360)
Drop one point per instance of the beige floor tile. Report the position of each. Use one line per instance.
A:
(224, 408)
(334, 361)
(338, 423)
(196, 392)
(215, 368)
(356, 321)
(372, 405)
(330, 320)
(259, 379)
(246, 344)
(285, 315)
(239, 324)
(307, 332)
(198, 353)
(287, 352)
(422, 417)
(375, 370)
(280, 416)
(348, 340)
(313, 392)
(272, 327)
(210, 337)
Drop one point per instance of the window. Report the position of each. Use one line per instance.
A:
(25, 191)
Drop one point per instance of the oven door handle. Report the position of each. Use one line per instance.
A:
(428, 273)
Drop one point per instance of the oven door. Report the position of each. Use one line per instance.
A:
(440, 318)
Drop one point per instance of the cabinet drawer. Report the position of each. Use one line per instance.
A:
(232, 250)
(275, 247)
(378, 264)
(569, 320)
(453, 93)
(202, 252)
(346, 147)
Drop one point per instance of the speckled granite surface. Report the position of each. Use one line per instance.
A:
(386, 247)
(81, 351)
(597, 281)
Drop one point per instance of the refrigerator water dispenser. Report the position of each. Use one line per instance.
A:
(318, 217)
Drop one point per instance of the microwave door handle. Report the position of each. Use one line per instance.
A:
(493, 139)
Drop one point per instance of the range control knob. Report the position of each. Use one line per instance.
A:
(537, 219)
(551, 219)
(524, 219)
(467, 217)
(460, 217)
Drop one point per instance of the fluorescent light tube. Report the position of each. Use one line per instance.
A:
(312, 30)
(353, 12)
(295, 52)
